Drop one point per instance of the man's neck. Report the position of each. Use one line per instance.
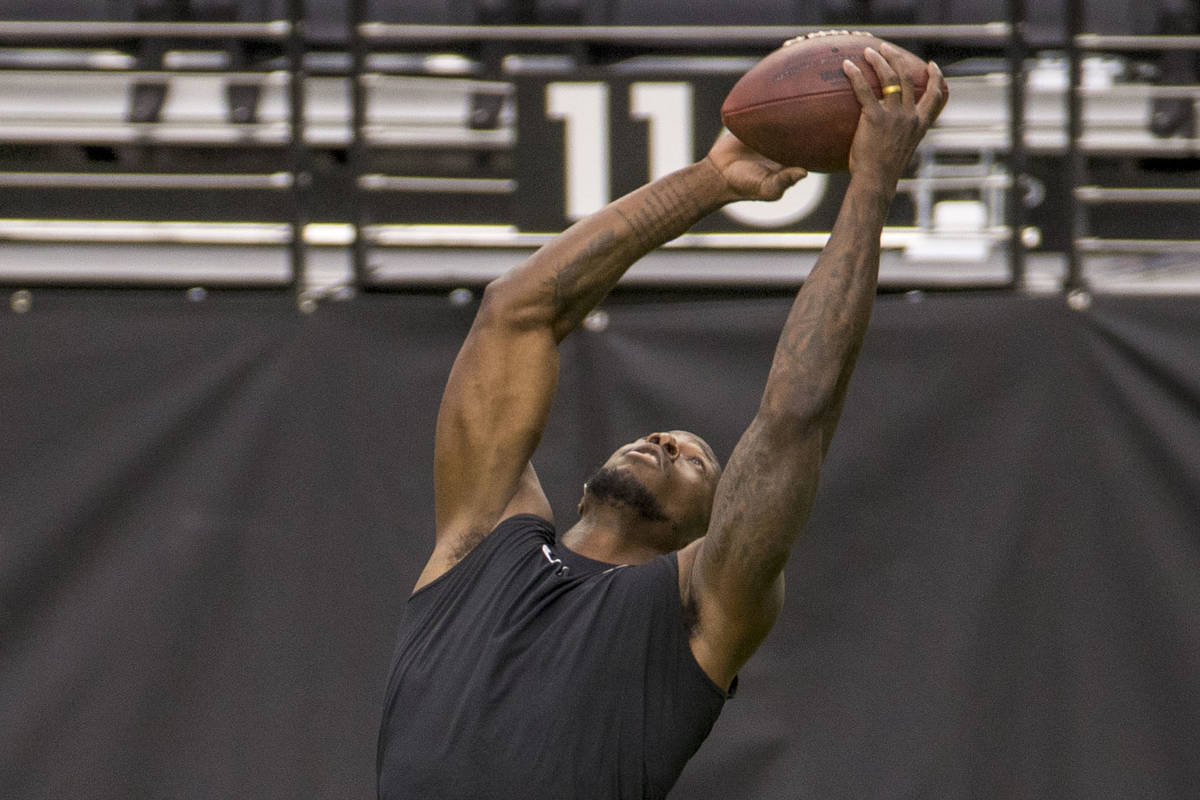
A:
(605, 537)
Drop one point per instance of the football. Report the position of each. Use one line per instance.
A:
(797, 107)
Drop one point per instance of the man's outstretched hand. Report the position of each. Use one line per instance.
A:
(889, 130)
(749, 175)
(890, 127)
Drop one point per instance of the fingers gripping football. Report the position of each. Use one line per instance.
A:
(891, 126)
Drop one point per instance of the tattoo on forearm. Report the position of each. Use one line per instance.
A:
(668, 212)
(664, 210)
(569, 281)
(820, 342)
(765, 503)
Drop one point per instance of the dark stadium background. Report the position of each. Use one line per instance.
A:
(234, 284)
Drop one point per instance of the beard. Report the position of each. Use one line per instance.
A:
(617, 487)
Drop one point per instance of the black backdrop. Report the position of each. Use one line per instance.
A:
(210, 514)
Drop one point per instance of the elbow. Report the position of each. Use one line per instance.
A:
(500, 295)
(800, 410)
(508, 302)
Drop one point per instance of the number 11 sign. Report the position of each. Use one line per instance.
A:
(586, 138)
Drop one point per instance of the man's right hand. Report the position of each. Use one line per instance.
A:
(749, 175)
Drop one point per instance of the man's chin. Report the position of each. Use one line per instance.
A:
(620, 485)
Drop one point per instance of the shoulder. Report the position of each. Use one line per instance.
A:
(720, 641)
(515, 534)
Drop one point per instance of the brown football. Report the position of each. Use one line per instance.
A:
(797, 107)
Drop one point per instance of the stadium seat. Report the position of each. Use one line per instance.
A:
(72, 10)
(328, 19)
(560, 12)
(1047, 18)
(422, 12)
(532, 12)
(235, 11)
(871, 12)
(691, 12)
(1176, 116)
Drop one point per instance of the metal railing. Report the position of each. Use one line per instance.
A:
(303, 124)
(1085, 196)
(291, 182)
(367, 36)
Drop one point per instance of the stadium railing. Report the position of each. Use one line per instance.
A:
(314, 153)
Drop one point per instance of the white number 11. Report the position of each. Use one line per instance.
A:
(666, 107)
(583, 108)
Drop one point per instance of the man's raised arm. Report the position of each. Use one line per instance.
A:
(498, 396)
(733, 577)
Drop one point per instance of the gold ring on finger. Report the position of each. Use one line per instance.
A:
(891, 88)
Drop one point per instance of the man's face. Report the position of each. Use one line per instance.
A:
(665, 477)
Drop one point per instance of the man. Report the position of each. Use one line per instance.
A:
(594, 665)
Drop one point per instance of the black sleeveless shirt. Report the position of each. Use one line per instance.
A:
(528, 671)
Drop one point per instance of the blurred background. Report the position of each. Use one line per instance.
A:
(241, 240)
(338, 144)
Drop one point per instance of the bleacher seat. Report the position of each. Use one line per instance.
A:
(421, 12)
(72, 10)
(328, 19)
(849, 13)
(1047, 18)
(560, 12)
(1047, 24)
(235, 10)
(691, 12)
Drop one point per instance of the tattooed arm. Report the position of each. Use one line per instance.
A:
(732, 578)
(500, 388)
